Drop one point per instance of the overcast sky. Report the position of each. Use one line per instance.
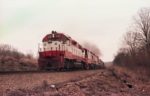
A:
(23, 23)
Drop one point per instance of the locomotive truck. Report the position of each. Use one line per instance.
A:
(61, 52)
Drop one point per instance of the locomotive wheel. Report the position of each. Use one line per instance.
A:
(61, 69)
(41, 69)
(67, 65)
(87, 67)
(94, 66)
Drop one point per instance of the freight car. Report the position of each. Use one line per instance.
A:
(61, 52)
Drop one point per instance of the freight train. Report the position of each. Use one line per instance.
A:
(61, 52)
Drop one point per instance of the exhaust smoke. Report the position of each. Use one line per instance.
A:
(92, 47)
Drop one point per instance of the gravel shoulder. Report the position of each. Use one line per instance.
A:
(31, 80)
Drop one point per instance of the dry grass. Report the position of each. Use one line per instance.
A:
(13, 60)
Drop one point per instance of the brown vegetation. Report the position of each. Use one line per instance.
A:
(13, 60)
(135, 53)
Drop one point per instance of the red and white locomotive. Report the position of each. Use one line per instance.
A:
(60, 52)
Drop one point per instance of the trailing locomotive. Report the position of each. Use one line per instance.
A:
(61, 52)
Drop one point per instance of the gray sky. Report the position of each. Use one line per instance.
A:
(23, 23)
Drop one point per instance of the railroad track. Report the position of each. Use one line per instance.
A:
(37, 71)
(22, 72)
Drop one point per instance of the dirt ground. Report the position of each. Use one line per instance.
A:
(15, 81)
(104, 82)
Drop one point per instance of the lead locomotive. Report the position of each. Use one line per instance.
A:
(61, 52)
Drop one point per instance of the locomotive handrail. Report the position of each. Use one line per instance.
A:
(40, 47)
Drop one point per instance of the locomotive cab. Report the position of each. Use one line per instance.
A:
(52, 51)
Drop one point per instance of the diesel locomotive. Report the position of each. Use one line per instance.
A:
(61, 52)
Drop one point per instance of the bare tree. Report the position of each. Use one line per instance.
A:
(137, 41)
(142, 22)
(133, 41)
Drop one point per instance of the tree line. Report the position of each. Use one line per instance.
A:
(135, 50)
